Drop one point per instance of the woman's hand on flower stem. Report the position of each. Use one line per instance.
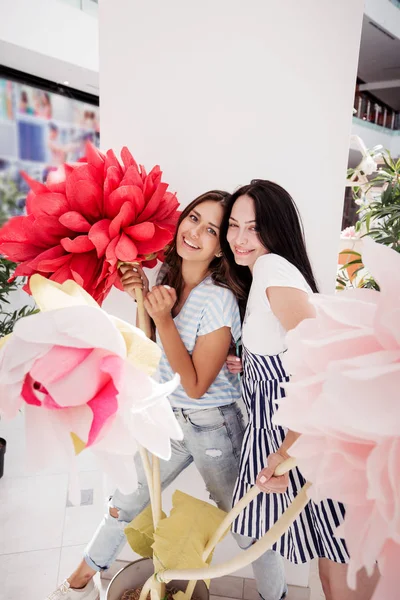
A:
(267, 481)
(133, 278)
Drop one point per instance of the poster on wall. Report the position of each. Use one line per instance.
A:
(39, 131)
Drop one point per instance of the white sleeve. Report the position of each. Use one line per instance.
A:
(272, 270)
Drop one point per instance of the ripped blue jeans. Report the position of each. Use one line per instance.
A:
(212, 440)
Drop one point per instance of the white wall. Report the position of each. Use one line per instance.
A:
(221, 92)
(50, 39)
(218, 94)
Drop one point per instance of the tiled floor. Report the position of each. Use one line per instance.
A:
(42, 536)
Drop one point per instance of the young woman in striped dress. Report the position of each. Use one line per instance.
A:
(262, 237)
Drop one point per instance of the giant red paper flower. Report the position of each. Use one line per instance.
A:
(344, 400)
(90, 216)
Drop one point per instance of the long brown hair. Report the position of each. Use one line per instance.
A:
(221, 274)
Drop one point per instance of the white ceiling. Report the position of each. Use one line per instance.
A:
(380, 61)
(48, 68)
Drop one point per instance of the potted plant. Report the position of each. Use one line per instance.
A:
(8, 319)
(376, 190)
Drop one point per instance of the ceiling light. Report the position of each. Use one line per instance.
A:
(66, 82)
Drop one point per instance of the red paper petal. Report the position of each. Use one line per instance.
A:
(75, 222)
(51, 265)
(62, 274)
(28, 203)
(126, 249)
(23, 270)
(84, 193)
(27, 392)
(110, 252)
(48, 231)
(29, 267)
(18, 251)
(128, 159)
(95, 157)
(170, 224)
(50, 204)
(84, 269)
(132, 177)
(104, 406)
(152, 205)
(117, 282)
(168, 207)
(111, 183)
(100, 237)
(78, 245)
(52, 253)
(143, 173)
(124, 218)
(141, 232)
(36, 186)
(17, 229)
(112, 161)
(17, 240)
(161, 238)
(101, 282)
(128, 193)
(151, 182)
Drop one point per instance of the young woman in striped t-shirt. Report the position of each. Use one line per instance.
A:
(196, 318)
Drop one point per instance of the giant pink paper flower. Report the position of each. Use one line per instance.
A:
(88, 217)
(82, 377)
(344, 400)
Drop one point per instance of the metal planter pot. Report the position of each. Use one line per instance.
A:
(136, 574)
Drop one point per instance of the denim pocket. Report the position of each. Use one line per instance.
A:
(207, 419)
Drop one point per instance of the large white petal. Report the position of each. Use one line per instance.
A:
(77, 326)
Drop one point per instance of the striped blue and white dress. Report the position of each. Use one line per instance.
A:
(312, 533)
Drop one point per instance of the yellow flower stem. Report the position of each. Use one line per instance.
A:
(157, 588)
(143, 322)
(157, 511)
(149, 476)
(248, 556)
(218, 534)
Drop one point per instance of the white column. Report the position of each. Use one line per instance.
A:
(222, 91)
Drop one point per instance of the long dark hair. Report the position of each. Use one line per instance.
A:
(171, 271)
(279, 227)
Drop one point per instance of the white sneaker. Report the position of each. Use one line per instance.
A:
(66, 592)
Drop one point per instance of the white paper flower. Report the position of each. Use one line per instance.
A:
(81, 375)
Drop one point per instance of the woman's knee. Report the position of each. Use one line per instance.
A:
(243, 541)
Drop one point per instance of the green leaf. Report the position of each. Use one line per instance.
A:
(353, 262)
(352, 252)
(368, 221)
(357, 271)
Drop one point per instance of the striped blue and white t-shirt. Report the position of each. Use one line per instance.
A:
(207, 308)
